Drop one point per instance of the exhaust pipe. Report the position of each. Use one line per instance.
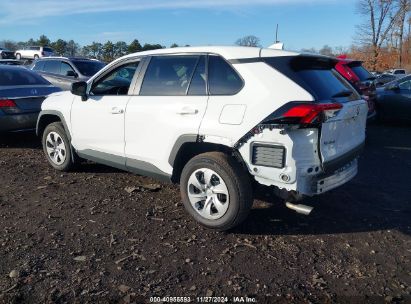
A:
(302, 209)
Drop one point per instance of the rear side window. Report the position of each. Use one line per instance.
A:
(168, 75)
(38, 66)
(222, 79)
(20, 77)
(316, 75)
(35, 48)
(52, 66)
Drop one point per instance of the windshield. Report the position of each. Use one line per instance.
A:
(88, 68)
(20, 77)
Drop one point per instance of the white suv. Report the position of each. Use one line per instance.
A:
(213, 119)
(34, 52)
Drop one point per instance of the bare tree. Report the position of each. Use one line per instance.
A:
(404, 7)
(248, 41)
(382, 15)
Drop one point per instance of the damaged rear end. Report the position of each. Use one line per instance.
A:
(308, 146)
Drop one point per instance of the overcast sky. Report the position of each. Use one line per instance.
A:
(303, 23)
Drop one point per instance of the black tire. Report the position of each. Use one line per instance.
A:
(36, 57)
(237, 182)
(68, 163)
(18, 56)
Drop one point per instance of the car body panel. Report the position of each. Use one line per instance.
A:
(141, 132)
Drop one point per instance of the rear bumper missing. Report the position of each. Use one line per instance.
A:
(326, 182)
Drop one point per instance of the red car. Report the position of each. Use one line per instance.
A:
(360, 78)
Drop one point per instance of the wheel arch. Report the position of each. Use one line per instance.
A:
(189, 146)
(47, 117)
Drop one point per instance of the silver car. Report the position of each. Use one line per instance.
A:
(34, 52)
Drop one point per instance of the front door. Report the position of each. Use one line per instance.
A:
(98, 122)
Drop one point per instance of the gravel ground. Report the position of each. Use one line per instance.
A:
(81, 237)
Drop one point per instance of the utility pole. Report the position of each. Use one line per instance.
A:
(276, 35)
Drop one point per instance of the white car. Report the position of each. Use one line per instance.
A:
(213, 119)
(34, 52)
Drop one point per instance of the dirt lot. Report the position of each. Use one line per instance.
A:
(80, 237)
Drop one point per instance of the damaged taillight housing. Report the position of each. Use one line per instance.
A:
(304, 114)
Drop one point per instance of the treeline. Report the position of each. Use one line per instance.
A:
(383, 40)
(103, 51)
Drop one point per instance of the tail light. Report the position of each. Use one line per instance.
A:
(7, 103)
(42, 53)
(304, 113)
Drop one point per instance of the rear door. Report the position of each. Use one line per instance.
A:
(171, 102)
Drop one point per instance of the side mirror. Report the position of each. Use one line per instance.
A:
(80, 89)
(71, 74)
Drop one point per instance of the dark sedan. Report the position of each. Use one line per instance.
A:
(394, 100)
(21, 95)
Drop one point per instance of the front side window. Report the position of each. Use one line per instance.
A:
(38, 66)
(52, 66)
(117, 81)
(222, 79)
(168, 75)
(65, 67)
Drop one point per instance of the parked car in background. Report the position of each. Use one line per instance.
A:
(34, 52)
(214, 119)
(384, 79)
(11, 62)
(64, 71)
(398, 73)
(360, 78)
(21, 95)
(6, 54)
(394, 101)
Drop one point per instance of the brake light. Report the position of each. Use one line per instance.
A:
(7, 103)
(304, 113)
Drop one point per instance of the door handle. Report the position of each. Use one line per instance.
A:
(187, 111)
(116, 110)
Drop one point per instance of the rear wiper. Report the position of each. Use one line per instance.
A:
(345, 93)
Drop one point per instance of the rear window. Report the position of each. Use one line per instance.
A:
(399, 72)
(88, 68)
(20, 77)
(316, 75)
(362, 73)
(46, 49)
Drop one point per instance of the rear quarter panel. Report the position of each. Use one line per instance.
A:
(264, 91)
